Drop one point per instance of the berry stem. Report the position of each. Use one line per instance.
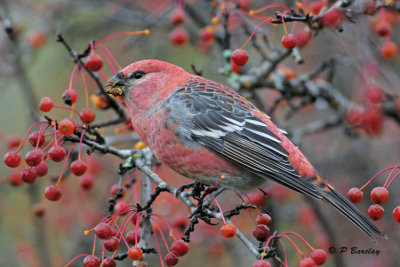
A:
(65, 165)
(284, 252)
(94, 245)
(108, 60)
(86, 89)
(121, 234)
(171, 231)
(248, 211)
(68, 108)
(71, 80)
(110, 55)
(80, 144)
(390, 175)
(219, 207)
(252, 12)
(376, 175)
(254, 32)
(157, 245)
(162, 236)
(293, 244)
(26, 135)
(102, 75)
(137, 226)
(145, 32)
(54, 124)
(266, 245)
(74, 259)
(300, 237)
(391, 181)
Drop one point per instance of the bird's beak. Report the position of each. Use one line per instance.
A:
(115, 86)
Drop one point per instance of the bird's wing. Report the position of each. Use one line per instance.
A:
(223, 121)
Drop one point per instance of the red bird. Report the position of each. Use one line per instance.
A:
(203, 130)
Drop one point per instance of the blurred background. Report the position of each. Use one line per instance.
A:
(36, 232)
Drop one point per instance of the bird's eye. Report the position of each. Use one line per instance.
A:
(138, 74)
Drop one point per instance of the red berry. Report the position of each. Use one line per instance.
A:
(207, 34)
(135, 253)
(122, 207)
(372, 120)
(383, 28)
(388, 50)
(244, 4)
(396, 214)
(354, 116)
(316, 6)
(261, 232)
(178, 16)
(91, 261)
(180, 248)
(36, 137)
(178, 36)
(228, 230)
(318, 256)
(180, 222)
(261, 263)
(41, 169)
(111, 244)
(57, 153)
(332, 18)
(235, 68)
(86, 181)
(66, 127)
(374, 94)
(52, 193)
(131, 237)
(303, 37)
(307, 262)
(14, 178)
(171, 259)
(240, 57)
(28, 175)
(369, 7)
(69, 97)
(103, 230)
(12, 159)
(46, 104)
(109, 262)
(12, 142)
(355, 195)
(34, 157)
(264, 219)
(379, 195)
(289, 41)
(78, 167)
(375, 212)
(114, 189)
(87, 115)
(94, 62)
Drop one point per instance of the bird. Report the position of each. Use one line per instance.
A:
(209, 133)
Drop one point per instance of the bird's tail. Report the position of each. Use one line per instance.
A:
(345, 207)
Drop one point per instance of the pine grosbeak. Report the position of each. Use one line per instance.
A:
(203, 130)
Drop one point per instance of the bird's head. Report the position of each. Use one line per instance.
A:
(145, 81)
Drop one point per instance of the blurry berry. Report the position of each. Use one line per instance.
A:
(374, 94)
(261, 263)
(307, 262)
(178, 16)
(244, 4)
(207, 34)
(14, 178)
(86, 181)
(87, 115)
(303, 37)
(114, 189)
(332, 18)
(388, 50)
(41, 169)
(240, 57)
(318, 256)
(13, 142)
(383, 28)
(178, 36)
(316, 6)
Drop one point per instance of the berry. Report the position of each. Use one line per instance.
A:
(122, 207)
(369, 7)
(114, 189)
(235, 68)
(78, 167)
(37, 40)
(261, 232)
(91, 261)
(228, 230)
(131, 237)
(46, 104)
(374, 94)
(41, 169)
(171, 259)
(240, 57)
(332, 18)
(52, 193)
(103, 231)
(264, 219)
(178, 17)
(34, 157)
(207, 34)
(100, 101)
(111, 244)
(396, 214)
(87, 115)
(178, 36)
(372, 120)
(69, 97)
(12, 159)
(36, 137)
(135, 253)
(14, 178)
(180, 247)
(383, 28)
(28, 175)
(66, 127)
(244, 4)
(109, 262)
(388, 50)
(94, 62)
(12, 142)
(57, 153)
(261, 263)
(353, 116)
(379, 195)
(86, 181)
(289, 41)
(307, 262)
(375, 212)
(355, 195)
(316, 6)
(318, 256)
(303, 37)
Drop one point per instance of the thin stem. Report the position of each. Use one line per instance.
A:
(171, 231)
(102, 75)
(80, 144)
(158, 246)
(391, 181)
(390, 174)
(74, 259)
(71, 80)
(293, 244)
(145, 32)
(64, 107)
(254, 32)
(108, 61)
(86, 89)
(26, 135)
(65, 164)
(162, 236)
(300, 237)
(109, 54)
(376, 175)
(219, 207)
(252, 12)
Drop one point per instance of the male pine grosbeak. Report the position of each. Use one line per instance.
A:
(203, 130)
